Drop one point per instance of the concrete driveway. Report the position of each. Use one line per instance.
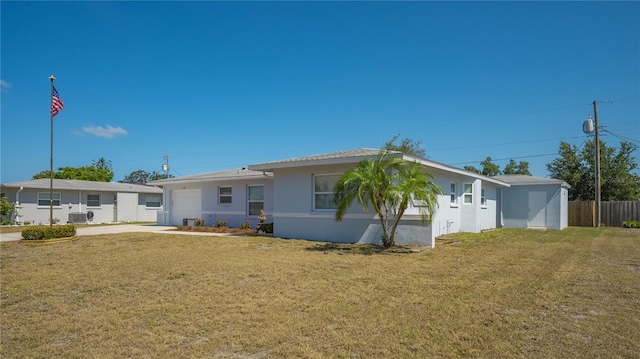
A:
(109, 229)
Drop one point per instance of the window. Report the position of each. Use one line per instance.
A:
(153, 202)
(454, 198)
(93, 200)
(255, 200)
(468, 193)
(224, 194)
(483, 199)
(323, 191)
(43, 199)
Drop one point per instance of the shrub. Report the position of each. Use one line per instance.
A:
(265, 227)
(199, 222)
(5, 207)
(245, 225)
(5, 221)
(631, 224)
(222, 223)
(44, 232)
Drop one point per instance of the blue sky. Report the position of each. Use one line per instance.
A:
(219, 85)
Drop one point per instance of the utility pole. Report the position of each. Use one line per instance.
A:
(165, 165)
(597, 166)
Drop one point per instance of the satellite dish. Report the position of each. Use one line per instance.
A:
(587, 126)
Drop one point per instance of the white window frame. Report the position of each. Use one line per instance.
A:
(46, 194)
(323, 193)
(153, 199)
(466, 194)
(453, 195)
(255, 200)
(483, 198)
(225, 195)
(93, 205)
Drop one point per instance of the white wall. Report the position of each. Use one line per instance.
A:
(76, 202)
(295, 217)
(211, 211)
(515, 206)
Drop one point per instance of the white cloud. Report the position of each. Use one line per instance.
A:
(4, 86)
(106, 132)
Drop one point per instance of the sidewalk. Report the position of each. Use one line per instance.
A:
(108, 229)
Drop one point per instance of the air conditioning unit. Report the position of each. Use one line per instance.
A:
(77, 217)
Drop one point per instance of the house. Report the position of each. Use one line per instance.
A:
(79, 201)
(303, 206)
(533, 202)
(233, 196)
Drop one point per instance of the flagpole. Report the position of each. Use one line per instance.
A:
(51, 158)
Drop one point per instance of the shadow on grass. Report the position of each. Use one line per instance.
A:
(366, 249)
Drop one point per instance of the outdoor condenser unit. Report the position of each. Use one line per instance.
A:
(77, 217)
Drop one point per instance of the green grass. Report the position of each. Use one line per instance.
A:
(507, 293)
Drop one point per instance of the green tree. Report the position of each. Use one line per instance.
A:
(513, 168)
(100, 171)
(142, 177)
(472, 169)
(617, 180)
(387, 184)
(406, 146)
(5, 207)
(489, 168)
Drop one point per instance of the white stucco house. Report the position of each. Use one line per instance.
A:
(297, 196)
(233, 196)
(533, 202)
(79, 201)
(303, 207)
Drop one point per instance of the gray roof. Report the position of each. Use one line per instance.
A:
(233, 174)
(75, 185)
(524, 180)
(357, 155)
(333, 157)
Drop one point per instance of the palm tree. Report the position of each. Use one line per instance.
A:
(388, 184)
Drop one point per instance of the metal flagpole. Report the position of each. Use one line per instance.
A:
(51, 158)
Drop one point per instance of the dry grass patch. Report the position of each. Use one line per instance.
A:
(506, 293)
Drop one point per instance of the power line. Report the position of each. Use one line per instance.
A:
(501, 144)
(505, 159)
(624, 138)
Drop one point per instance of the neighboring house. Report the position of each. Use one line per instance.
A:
(82, 201)
(303, 206)
(533, 202)
(233, 196)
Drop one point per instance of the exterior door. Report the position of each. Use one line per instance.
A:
(186, 203)
(537, 209)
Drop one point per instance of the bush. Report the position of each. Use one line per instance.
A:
(265, 227)
(199, 222)
(44, 232)
(5, 221)
(245, 225)
(222, 224)
(631, 224)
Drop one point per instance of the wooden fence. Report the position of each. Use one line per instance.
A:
(583, 213)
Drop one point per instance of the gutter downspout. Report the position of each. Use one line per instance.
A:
(17, 206)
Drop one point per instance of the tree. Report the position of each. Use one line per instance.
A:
(491, 169)
(100, 171)
(387, 184)
(488, 168)
(472, 169)
(617, 180)
(406, 146)
(513, 168)
(142, 177)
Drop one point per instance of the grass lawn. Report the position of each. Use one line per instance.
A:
(507, 293)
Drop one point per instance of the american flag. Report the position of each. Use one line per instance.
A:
(56, 103)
